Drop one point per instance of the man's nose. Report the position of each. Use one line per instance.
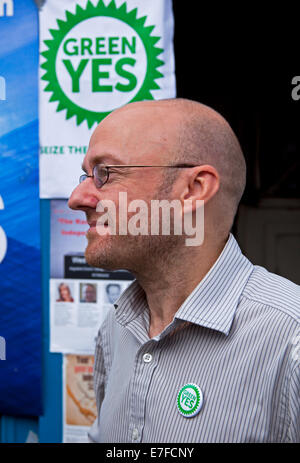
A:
(84, 196)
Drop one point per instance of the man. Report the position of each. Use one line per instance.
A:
(202, 346)
(89, 293)
(113, 291)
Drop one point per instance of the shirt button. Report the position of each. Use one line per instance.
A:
(135, 434)
(147, 358)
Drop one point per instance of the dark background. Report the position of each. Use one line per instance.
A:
(241, 62)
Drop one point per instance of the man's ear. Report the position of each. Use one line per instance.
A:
(202, 183)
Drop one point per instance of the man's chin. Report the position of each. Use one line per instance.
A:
(101, 259)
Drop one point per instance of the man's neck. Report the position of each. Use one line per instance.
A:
(169, 284)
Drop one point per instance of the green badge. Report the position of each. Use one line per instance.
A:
(189, 400)
(100, 58)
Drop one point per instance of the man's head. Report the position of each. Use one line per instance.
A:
(165, 132)
(89, 293)
(113, 291)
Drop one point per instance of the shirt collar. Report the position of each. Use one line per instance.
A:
(131, 303)
(211, 304)
(214, 300)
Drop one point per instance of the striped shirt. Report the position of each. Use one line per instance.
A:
(236, 336)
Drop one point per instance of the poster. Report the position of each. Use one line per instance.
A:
(20, 267)
(96, 56)
(77, 310)
(80, 410)
(80, 295)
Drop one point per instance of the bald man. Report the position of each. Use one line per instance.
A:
(203, 346)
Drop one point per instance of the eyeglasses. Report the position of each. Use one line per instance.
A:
(101, 172)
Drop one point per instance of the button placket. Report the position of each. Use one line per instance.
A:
(144, 367)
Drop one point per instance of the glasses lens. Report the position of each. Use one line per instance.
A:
(100, 175)
(82, 178)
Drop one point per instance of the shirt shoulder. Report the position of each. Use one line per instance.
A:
(274, 291)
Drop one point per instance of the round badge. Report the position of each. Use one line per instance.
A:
(189, 400)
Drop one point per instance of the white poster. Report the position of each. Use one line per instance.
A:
(95, 57)
(77, 310)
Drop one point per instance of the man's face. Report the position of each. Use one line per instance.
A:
(136, 134)
(90, 294)
(113, 293)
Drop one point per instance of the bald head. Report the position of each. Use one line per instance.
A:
(160, 133)
(205, 137)
(196, 134)
(180, 131)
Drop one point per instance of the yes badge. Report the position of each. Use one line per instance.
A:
(189, 400)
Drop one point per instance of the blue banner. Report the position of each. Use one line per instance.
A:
(20, 272)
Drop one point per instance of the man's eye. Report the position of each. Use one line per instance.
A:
(115, 172)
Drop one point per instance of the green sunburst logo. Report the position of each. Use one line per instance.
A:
(189, 400)
(100, 58)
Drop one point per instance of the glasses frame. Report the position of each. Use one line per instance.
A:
(83, 177)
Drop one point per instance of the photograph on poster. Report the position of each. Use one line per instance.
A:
(112, 292)
(64, 292)
(88, 293)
